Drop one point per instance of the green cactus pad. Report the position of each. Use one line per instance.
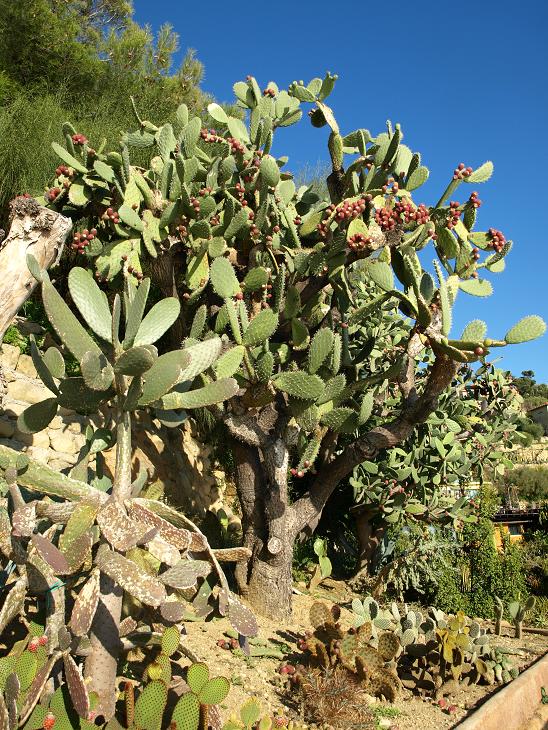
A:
(162, 376)
(135, 361)
(157, 321)
(91, 302)
(340, 419)
(320, 348)
(214, 691)
(54, 362)
(197, 676)
(223, 278)
(529, 328)
(38, 416)
(135, 311)
(171, 638)
(96, 371)
(366, 408)
(26, 667)
(250, 712)
(230, 362)
(215, 392)
(186, 714)
(477, 287)
(300, 385)
(256, 278)
(150, 706)
(474, 331)
(65, 323)
(202, 356)
(261, 328)
(389, 645)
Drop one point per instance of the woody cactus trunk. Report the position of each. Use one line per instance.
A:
(288, 278)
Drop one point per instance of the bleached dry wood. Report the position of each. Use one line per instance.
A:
(34, 230)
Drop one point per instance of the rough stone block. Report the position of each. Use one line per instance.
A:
(26, 366)
(28, 392)
(7, 428)
(9, 355)
(63, 440)
(40, 454)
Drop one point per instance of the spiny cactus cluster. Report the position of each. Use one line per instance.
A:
(430, 654)
(61, 536)
(269, 265)
(371, 666)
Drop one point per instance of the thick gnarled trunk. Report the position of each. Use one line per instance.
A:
(266, 580)
(271, 525)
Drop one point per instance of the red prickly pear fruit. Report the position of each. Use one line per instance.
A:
(306, 464)
(239, 296)
(452, 709)
(42, 640)
(49, 721)
(300, 474)
(442, 702)
(234, 644)
(221, 643)
(290, 669)
(33, 645)
(293, 472)
(283, 670)
(479, 351)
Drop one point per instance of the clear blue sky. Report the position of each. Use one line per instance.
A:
(468, 81)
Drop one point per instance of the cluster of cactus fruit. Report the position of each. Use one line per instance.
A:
(62, 535)
(387, 650)
(268, 265)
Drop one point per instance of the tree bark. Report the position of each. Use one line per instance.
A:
(105, 644)
(369, 536)
(270, 524)
(266, 580)
(34, 230)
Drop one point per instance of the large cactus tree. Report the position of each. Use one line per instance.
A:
(217, 221)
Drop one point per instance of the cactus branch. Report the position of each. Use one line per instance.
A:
(306, 509)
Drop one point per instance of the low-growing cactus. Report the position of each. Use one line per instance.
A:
(431, 654)
(86, 546)
(517, 613)
(499, 612)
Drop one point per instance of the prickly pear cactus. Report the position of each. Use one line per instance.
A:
(100, 530)
(286, 276)
(429, 654)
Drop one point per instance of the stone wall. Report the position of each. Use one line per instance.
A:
(174, 457)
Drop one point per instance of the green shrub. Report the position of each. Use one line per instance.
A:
(482, 570)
